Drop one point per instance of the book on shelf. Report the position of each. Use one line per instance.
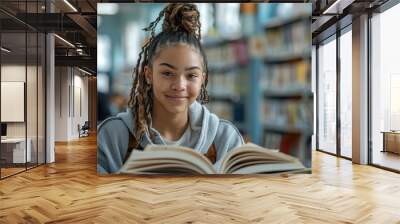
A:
(288, 76)
(290, 113)
(288, 40)
(303, 73)
(272, 140)
(222, 109)
(245, 159)
(280, 21)
(223, 83)
(231, 53)
(282, 113)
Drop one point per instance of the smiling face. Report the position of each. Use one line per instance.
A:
(176, 76)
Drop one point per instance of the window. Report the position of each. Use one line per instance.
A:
(327, 96)
(346, 93)
(385, 87)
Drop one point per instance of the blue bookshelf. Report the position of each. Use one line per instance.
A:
(276, 76)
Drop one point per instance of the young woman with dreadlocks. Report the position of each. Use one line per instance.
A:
(166, 99)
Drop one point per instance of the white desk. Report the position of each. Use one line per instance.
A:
(18, 149)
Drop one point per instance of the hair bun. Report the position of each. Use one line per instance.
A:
(182, 17)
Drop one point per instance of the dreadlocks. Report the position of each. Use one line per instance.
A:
(181, 25)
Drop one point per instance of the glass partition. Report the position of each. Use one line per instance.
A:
(22, 79)
(13, 104)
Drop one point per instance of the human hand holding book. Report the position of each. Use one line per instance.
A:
(245, 159)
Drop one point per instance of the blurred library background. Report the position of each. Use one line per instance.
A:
(259, 58)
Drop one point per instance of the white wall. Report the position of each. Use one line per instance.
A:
(13, 73)
(70, 83)
(61, 103)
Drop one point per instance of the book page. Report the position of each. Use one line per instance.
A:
(269, 168)
(252, 158)
(162, 156)
(150, 165)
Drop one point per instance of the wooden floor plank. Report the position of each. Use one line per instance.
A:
(70, 191)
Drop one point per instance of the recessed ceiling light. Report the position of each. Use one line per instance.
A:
(84, 71)
(338, 6)
(64, 40)
(70, 5)
(5, 49)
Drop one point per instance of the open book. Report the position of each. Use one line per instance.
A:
(246, 159)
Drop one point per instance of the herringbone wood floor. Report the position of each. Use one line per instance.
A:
(69, 191)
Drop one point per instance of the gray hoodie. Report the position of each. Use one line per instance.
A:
(207, 128)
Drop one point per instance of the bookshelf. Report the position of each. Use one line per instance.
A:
(262, 82)
(288, 94)
(287, 99)
(227, 68)
(279, 21)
